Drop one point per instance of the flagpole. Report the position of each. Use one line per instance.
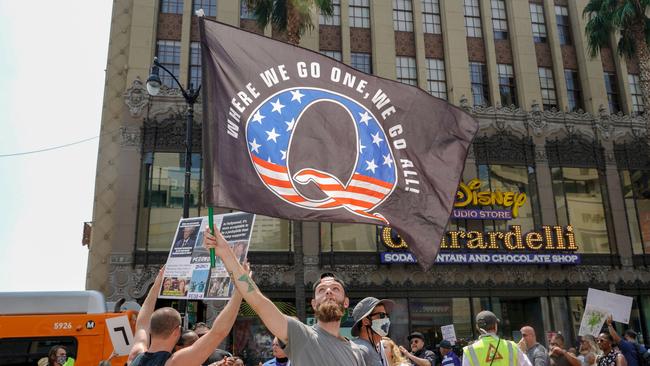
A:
(213, 259)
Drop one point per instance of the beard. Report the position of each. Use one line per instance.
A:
(329, 311)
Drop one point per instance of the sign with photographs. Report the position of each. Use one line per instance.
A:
(188, 274)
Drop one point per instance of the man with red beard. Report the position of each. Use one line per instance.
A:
(320, 344)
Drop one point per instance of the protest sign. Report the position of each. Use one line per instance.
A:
(592, 320)
(618, 305)
(188, 274)
(448, 333)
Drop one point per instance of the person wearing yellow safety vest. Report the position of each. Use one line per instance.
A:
(489, 349)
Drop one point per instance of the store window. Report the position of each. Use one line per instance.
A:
(510, 178)
(169, 55)
(579, 202)
(547, 85)
(499, 19)
(480, 89)
(472, 12)
(573, 90)
(431, 16)
(538, 22)
(360, 13)
(507, 85)
(403, 15)
(428, 315)
(612, 92)
(208, 6)
(406, 70)
(162, 191)
(636, 193)
(340, 237)
(271, 234)
(335, 19)
(361, 62)
(436, 83)
(171, 6)
(563, 25)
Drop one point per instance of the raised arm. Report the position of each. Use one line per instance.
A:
(198, 352)
(271, 316)
(141, 336)
(612, 330)
(417, 360)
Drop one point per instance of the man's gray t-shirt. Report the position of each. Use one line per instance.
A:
(370, 354)
(537, 355)
(311, 346)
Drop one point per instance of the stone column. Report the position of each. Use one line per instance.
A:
(382, 38)
(455, 48)
(345, 32)
(490, 52)
(592, 82)
(523, 52)
(556, 54)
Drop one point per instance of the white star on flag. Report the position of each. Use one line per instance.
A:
(361, 147)
(296, 95)
(272, 135)
(376, 139)
(255, 146)
(290, 124)
(371, 165)
(387, 160)
(365, 117)
(284, 154)
(277, 106)
(258, 117)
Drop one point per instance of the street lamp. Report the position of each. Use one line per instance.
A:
(153, 87)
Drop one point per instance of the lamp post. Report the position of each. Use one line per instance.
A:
(191, 95)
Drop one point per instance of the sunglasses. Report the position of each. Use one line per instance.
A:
(381, 315)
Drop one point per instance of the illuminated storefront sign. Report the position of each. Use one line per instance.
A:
(551, 245)
(468, 195)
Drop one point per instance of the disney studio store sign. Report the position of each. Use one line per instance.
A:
(550, 245)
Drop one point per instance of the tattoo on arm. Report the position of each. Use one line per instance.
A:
(247, 279)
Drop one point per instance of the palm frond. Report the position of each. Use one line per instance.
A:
(262, 10)
(279, 17)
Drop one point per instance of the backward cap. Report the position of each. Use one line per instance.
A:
(486, 319)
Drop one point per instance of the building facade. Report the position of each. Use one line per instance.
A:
(563, 128)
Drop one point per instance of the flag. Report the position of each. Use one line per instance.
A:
(291, 133)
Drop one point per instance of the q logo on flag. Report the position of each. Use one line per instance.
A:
(270, 134)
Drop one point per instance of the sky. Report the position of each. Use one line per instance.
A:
(52, 63)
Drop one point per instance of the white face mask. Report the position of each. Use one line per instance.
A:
(381, 326)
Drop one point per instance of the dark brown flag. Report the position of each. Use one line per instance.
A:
(291, 133)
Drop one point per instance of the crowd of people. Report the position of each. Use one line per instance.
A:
(159, 339)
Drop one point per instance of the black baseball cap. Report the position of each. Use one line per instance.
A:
(415, 335)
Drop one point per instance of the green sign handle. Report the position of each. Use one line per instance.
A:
(213, 259)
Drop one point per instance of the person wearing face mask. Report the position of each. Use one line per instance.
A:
(371, 323)
(58, 356)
